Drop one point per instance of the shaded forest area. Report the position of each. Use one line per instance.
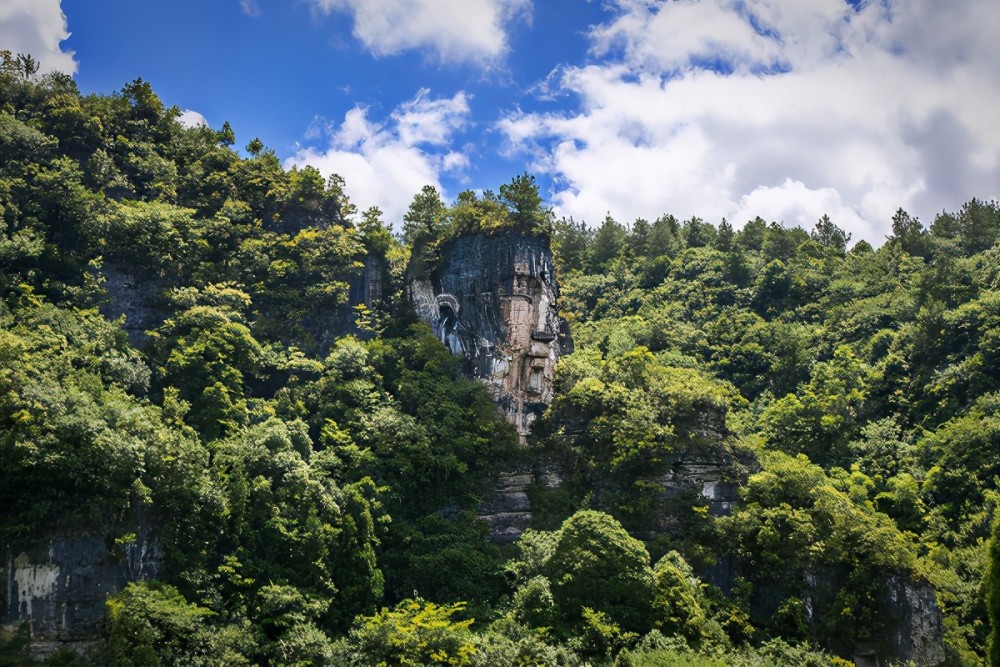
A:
(313, 496)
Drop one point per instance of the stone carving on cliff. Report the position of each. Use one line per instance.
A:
(492, 300)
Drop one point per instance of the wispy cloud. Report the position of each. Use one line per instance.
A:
(782, 108)
(250, 8)
(386, 163)
(37, 28)
(453, 30)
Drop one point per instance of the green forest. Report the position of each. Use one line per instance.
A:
(311, 469)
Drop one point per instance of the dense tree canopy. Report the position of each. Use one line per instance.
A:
(179, 356)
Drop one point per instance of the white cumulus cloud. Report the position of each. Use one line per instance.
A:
(190, 118)
(455, 30)
(36, 28)
(386, 164)
(781, 108)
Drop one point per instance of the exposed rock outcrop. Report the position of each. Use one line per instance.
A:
(508, 511)
(142, 301)
(914, 627)
(364, 287)
(138, 298)
(709, 467)
(492, 300)
(59, 585)
(716, 481)
(918, 632)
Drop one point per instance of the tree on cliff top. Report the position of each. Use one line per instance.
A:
(525, 205)
(428, 223)
(424, 219)
(519, 205)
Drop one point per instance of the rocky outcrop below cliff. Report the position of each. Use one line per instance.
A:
(508, 510)
(58, 585)
(918, 628)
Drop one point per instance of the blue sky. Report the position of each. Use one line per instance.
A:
(787, 109)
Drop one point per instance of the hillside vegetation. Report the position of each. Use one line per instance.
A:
(314, 494)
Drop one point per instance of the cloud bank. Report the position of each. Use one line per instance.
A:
(36, 27)
(385, 164)
(782, 108)
(454, 30)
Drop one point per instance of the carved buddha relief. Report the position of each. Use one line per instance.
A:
(492, 300)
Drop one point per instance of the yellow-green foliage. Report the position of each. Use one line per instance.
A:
(633, 407)
(413, 633)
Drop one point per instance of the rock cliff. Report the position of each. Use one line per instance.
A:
(59, 585)
(139, 299)
(142, 300)
(492, 300)
(918, 634)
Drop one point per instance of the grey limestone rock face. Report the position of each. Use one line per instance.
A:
(912, 620)
(716, 481)
(138, 298)
(364, 287)
(508, 510)
(142, 301)
(708, 467)
(919, 629)
(492, 300)
(59, 585)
